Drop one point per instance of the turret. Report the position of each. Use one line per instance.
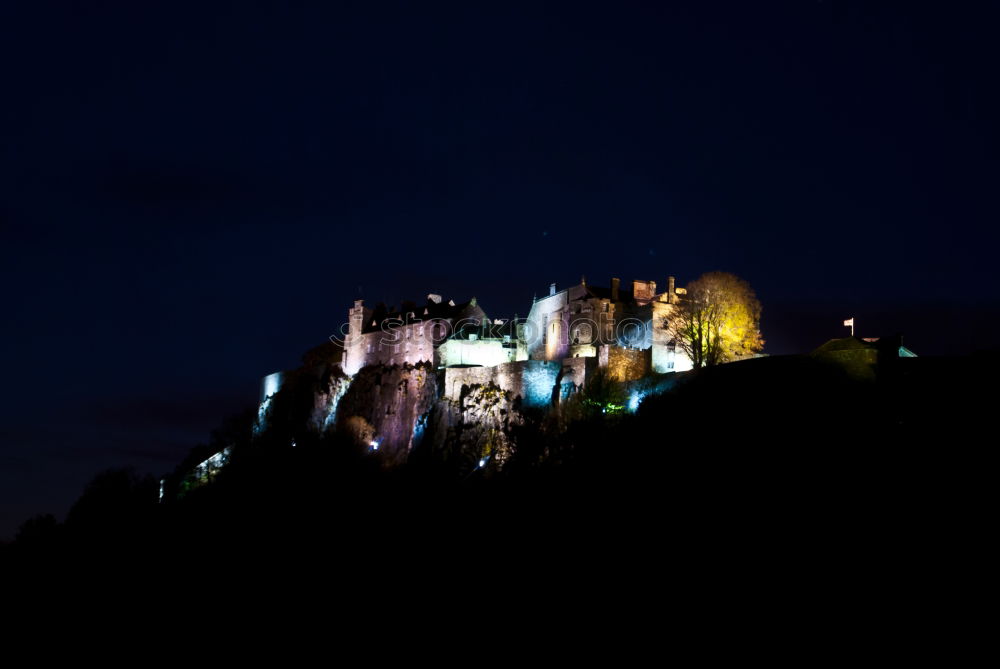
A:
(354, 352)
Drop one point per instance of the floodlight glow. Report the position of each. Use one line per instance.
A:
(374, 444)
(208, 468)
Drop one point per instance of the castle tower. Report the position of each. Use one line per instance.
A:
(555, 348)
(354, 344)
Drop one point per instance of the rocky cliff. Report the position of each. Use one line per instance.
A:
(468, 418)
(385, 407)
(477, 430)
(396, 409)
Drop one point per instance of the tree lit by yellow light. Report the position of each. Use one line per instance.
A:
(717, 321)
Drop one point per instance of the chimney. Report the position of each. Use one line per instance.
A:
(643, 290)
(614, 289)
(552, 289)
(670, 289)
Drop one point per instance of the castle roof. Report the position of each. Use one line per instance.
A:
(488, 329)
(601, 293)
(410, 312)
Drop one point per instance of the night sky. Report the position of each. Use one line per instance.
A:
(192, 196)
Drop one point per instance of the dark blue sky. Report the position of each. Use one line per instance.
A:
(192, 195)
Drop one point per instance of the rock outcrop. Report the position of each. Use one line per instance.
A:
(385, 405)
(477, 430)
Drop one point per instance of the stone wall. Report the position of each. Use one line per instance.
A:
(540, 342)
(410, 344)
(534, 381)
(485, 352)
(583, 351)
(666, 358)
(625, 364)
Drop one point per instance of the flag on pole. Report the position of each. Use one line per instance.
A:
(849, 322)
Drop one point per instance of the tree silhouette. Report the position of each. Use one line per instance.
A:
(115, 501)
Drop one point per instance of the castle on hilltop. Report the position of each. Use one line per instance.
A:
(465, 375)
(567, 335)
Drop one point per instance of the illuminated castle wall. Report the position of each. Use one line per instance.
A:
(589, 321)
(407, 335)
(581, 321)
(537, 382)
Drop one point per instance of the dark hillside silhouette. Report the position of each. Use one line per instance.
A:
(783, 441)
